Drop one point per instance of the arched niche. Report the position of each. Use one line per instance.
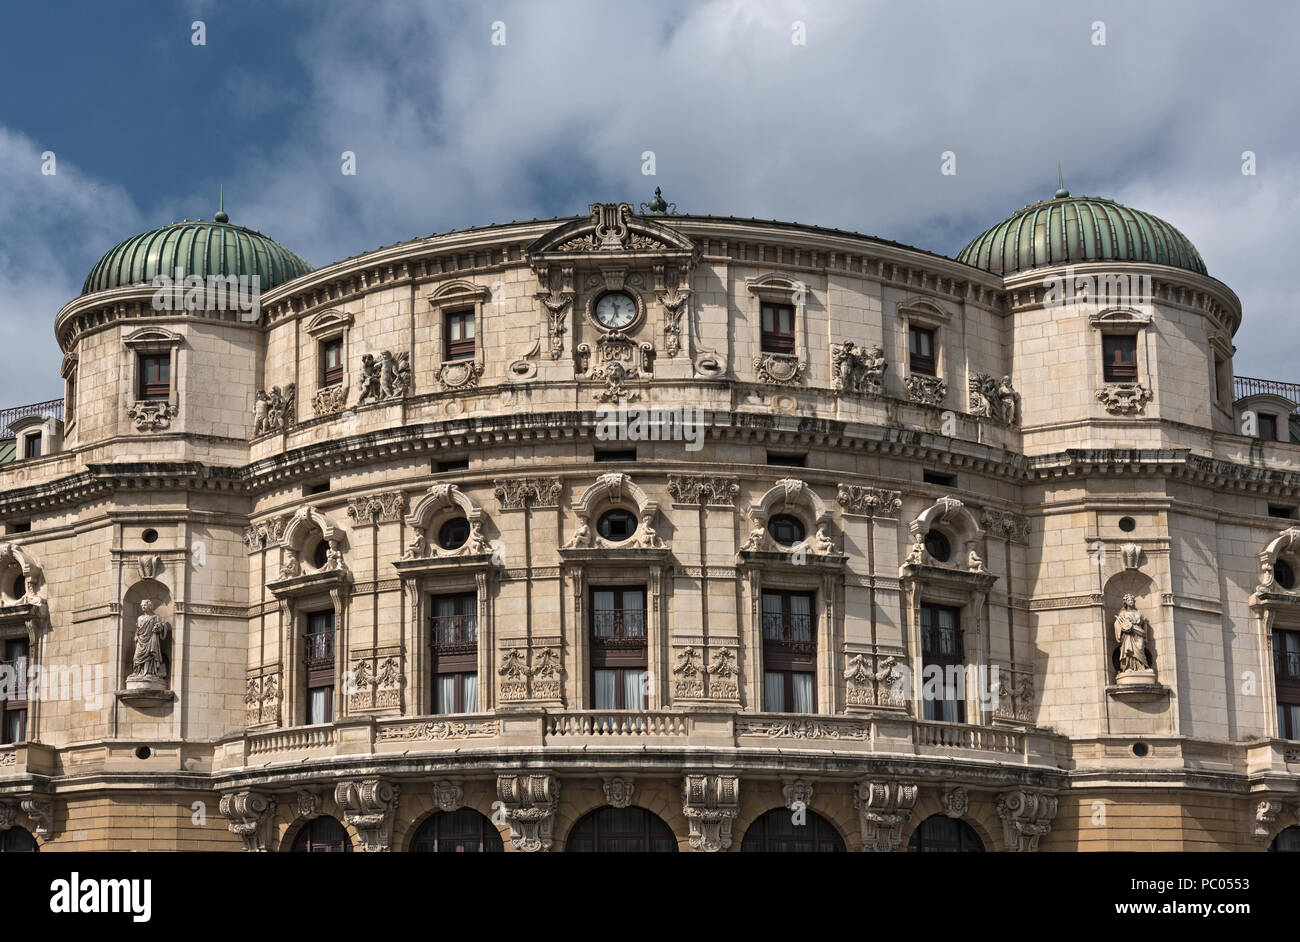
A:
(795, 498)
(1284, 548)
(1135, 583)
(615, 491)
(132, 608)
(15, 564)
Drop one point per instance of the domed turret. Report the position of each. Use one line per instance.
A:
(198, 248)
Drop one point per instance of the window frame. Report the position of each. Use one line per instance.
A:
(319, 662)
(456, 656)
(922, 364)
(788, 655)
(461, 348)
(776, 340)
(1286, 681)
(619, 651)
(1118, 371)
(15, 710)
(929, 612)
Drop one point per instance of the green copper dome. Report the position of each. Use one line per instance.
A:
(1073, 229)
(199, 248)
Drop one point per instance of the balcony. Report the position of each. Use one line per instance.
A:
(618, 624)
(454, 630)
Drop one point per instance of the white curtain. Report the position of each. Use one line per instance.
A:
(634, 690)
(318, 705)
(604, 689)
(445, 696)
(774, 692)
(803, 693)
(800, 618)
(469, 691)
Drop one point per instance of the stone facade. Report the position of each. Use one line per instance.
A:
(209, 530)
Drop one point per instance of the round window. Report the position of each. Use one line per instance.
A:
(616, 526)
(149, 536)
(453, 534)
(1127, 524)
(1284, 575)
(785, 529)
(320, 554)
(937, 545)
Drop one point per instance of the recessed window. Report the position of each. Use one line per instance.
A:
(20, 526)
(941, 647)
(32, 446)
(1221, 379)
(320, 555)
(319, 656)
(1282, 510)
(616, 454)
(1283, 574)
(149, 536)
(143, 752)
(1127, 524)
(941, 478)
(155, 376)
(786, 460)
(443, 467)
(320, 487)
(18, 589)
(789, 652)
(1119, 358)
(460, 335)
(785, 529)
(322, 835)
(937, 545)
(1141, 750)
(13, 711)
(920, 351)
(331, 362)
(777, 328)
(1267, 427)
(454, 627)
(453, 534)
(458, 832)
(1286, 673)
(618, 648)
(616, 526)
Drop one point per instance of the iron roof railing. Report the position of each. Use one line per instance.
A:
(1243, 386)
(52, 407)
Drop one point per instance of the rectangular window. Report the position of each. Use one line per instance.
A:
(1119, 358)
(786, 461)
(1221, 383)
(777, 328)
(920, 351)
(443, 467)
(941, 650)
(32, 446)
(460, 335)
(1267, 427)
(612, 454)
(319, 658)
(618, 648)
(155, 377)
(1282, 510)
(13, 723)
(331, 362)
(453, 626)
(789, 652)
(1286, 672)
(941, 478)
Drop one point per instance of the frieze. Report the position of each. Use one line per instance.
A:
(703, 489)
(428, 732)
(518, 493)
(374, 509)
(801, 729)
(868, 501)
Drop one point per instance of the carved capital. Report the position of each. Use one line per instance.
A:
(529, 802)
(710, 804)
(250, 815)
(883, 809)
(368, 806)
(1026, 816)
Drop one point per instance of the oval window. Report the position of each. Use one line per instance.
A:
(1284, 575)
(616, 526)
(785, 529)
(320, 554)
(453, 534)
(937, 545)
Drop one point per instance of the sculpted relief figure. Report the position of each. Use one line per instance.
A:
(371, 380)
(149, 664)
(1131, 630)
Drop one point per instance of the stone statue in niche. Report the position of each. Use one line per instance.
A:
(1131, 631)
(149, 663)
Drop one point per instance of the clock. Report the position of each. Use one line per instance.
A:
(615, 310)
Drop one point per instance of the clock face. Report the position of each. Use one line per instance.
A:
(615, 310)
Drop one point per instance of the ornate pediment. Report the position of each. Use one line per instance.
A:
(611, 228)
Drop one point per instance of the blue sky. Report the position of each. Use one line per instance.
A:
(451, 130)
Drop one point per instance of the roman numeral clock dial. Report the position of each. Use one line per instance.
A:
(615, 310)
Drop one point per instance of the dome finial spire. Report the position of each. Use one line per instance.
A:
(1061, 191)
(221, 208)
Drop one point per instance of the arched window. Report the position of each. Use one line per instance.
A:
(776, 831)
(322, 835)
(20, 841)
(621, 830)
(940, 833)
(457, 832)
(1288, 841)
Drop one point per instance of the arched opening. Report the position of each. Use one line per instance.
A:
(20, 841)
(942, 834)
(457, 832)
(621, 830)
(777, 832)
(1287, 841)
(323, 835)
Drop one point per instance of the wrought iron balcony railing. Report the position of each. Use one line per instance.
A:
(454, 629)
(618, 624)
